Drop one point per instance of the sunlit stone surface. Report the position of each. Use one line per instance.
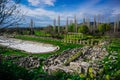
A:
(28, 46)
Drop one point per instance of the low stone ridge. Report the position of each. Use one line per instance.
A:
(78, 60)
(12, 57)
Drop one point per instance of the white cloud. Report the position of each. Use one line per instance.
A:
(49, 2)
(45, 17)
(39, 2)
(34, 2)
(38, 12)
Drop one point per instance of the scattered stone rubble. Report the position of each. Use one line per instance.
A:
(90, 57)
(26, 62)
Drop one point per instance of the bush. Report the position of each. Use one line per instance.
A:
(103, 28)
(83, 29)
(13, 72)
(71, 28)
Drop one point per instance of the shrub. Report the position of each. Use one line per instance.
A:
(103, 28)
(83, 29)
(71, 27)
(13, 72)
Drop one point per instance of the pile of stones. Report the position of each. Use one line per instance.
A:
(89, 58)
(28, 62)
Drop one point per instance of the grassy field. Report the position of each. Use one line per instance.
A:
(114, 46)
(8, 51)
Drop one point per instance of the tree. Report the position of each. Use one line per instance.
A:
(9, 14)
(49, 29)
(66, 25)
(31, 27)
(71, 27)
(107, 27)
(75, 21)
(103, 28)
(58, 24)
(95, 23)
(54, 23)
(83, 29)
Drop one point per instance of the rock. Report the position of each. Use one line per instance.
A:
(74, 64)
(85, 64)
(12, 57)
(93, 58)
(90, 57)
(28, 62)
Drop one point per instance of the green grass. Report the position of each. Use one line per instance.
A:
(41, 33)
(114, 46)
(112, 66)
(9, 51)
(63, 46)
(13, 72)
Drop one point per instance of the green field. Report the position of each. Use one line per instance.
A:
(114, 46)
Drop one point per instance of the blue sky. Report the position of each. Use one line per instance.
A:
(44, 11)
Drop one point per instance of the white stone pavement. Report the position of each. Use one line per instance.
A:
(28, 46)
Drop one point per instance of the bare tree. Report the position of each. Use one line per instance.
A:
(17, 28)
(31, 27)
(9, 13)
(84, 20)
(88, 23)
(75, 21)
(115, 25)
(117, 22)
(58, 24)
(67, 25)
(108, 19)
(71, 21)
(54, 23)
(99, 20)
(95, 22)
